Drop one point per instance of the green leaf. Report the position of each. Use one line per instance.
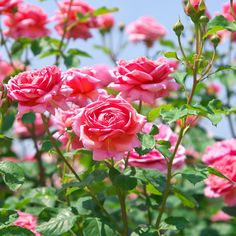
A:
(50, 52)
(96, 226)
(186, 199)
(71, 61)
(145, 231)
(15, 231)
(5, 141)
(105, 50)
(104, 10)
(230, 211)
(13, 175)
(180, 77)
(156, 112)
(7, 217)
(61, 220)
(171, 55)
(154, 130)
(83, 17)
(78, 52)
(167, 43)
(156, 178)
(163, 147)
(147, 143)
(36, 47)
(215, 172)
(194, 176)
(28, 118)
(222, 23)
(179, 222)
(124, 182)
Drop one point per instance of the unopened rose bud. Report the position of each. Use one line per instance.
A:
(195, 9)
(215, 39)
(122, 26)
(204, 20)
(178, 28)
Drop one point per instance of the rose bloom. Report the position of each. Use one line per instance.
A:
(29, 21)
(105, 22)
(145, 29)
(65, 134)
(109, 127)
(195, 3)
(154, 159)
(37, 91)
(213, 88)
(7, 6)
(143, 79)
(219, 150)
(22, 130)
(226, 12)
(5, 69)
(173, 64)
(190, 121)
(219, 187)
(220, 216)
(81, 85)
(102, 73)
(27, 221)
(75, 29)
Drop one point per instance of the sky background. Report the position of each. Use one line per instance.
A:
(166, 13)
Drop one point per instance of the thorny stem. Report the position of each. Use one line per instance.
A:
(181, 133)
(88, 189)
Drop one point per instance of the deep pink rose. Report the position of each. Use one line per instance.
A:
(27, 221)
(5, 70)
(109, 127)
(154, 159)
(65, 134)
(81, 85)
(143, 79)
(145, 29)
(220, 216)
(75, 28)
(22, 130)
(219, 187)
(37, 91)
(219, 150)
(29, 21)
(195, 3)
(105, 21)
(7, 6)
(103, 75)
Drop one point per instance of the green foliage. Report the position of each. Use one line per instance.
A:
(179, 222)
(7, 217)
(28, 118)
(15, 231)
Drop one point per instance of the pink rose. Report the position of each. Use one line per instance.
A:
(213, 88)
(5, 70)
(190, 121)
(103, 75)
(37, 91)
(27, 221)
(145, 29)
(105, 22)
(154, 159)
(143, 79)
(219, 150)
(22, 130)
(75, 28)
(220, 216)
(219, 187)
(29, 21)
(109, 127)
(81, 85)
(65, 134)
(226, 12)
(195, 3)
(173, 64)
(7, 6)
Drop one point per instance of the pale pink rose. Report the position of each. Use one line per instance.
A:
(143, 79)
(105, 21)
(213, 88)
(27, 221)
(37, 91)
(8, 6)
(219, 150)
(65, 134)
(29, 21)
(220, 216)
(109, 127)
(23, 130)
(75, 28)
(154, 159)
(145, 29)
(195, 3)
(81, 85)
(226, 12)
(103, 75)
(173, 64)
